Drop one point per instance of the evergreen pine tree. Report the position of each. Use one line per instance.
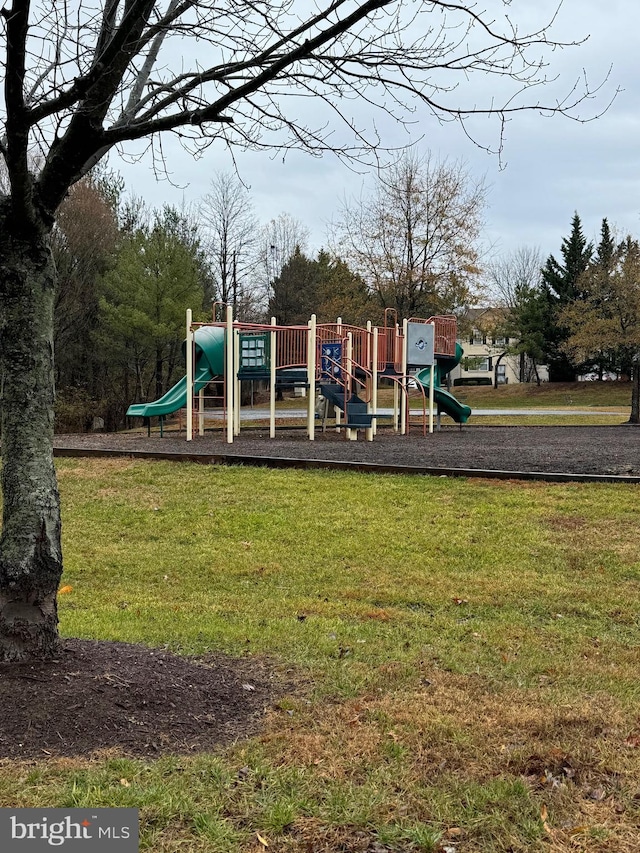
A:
(294, 291)
(597, 287)
(561, 283)
(606, 248)
(605, 325)
(341, 292)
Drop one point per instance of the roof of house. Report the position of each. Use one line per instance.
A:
(482, 318)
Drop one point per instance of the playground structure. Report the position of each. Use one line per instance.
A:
(341, 363)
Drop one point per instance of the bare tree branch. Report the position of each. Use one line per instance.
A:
(81, 82)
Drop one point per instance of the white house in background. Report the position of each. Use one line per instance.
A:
(486, 353)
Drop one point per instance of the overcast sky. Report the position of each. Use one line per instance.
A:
(551, 166)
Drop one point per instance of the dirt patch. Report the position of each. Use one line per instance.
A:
(566, 523)
(144, 702)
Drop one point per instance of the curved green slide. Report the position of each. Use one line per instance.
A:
(209, 363)
(445, 401)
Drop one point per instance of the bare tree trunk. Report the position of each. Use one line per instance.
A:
(535, 371)
(495, 369)
(159, 365)
(634, 418)
(30, 551)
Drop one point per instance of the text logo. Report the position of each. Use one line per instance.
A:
(38, 830)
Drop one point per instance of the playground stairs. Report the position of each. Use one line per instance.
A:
(354, 408)
(389, 370)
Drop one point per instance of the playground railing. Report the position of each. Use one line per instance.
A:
(332, 365)
(348, 380)
(291, 342)
(291, 346)
(445, 333)
(390, 341)
(337, 333)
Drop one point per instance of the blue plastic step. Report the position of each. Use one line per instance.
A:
(356, 409)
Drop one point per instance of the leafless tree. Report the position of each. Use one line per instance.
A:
(513, 274)
(514, 284)
(279, 240)
(231, 241)
(414, 240)
(84, 76)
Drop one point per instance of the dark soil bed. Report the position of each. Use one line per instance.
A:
(608, 450)
(137, 701)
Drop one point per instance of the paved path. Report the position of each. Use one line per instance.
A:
(261, 413)
(510, 412)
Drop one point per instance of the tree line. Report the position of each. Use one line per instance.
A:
(126, 274)
(579, 314)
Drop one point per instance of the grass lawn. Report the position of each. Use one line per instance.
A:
(553, 394)
(470, 652)
(593, 397)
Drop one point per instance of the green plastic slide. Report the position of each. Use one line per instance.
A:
(209, 363)
(445, 401)
(174, 399)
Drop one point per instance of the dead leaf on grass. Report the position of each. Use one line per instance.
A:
(262, 840)
(597, 794)
(579, 830)
(377, 614)
(454, 832)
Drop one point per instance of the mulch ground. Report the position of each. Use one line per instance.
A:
(139, 701)
(609, 450)
(144, 702)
